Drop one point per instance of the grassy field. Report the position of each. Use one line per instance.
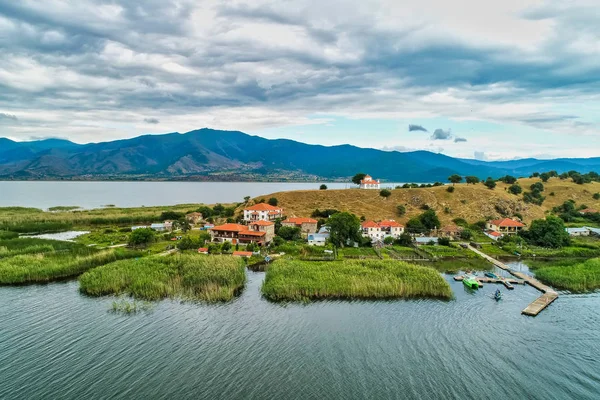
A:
(357, 252)
(471, 202)
(577, 277)
(214, 278)
(447, 251)
(293, 280)
(52, 266)
(452, 266)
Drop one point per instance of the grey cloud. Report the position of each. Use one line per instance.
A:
(401, 149)
(151, 121)
(412, 128)
(480, 155)
(8, 117)
(440, 134)
(459, 140)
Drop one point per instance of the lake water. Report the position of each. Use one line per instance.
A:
(135, 194)
(57, 344)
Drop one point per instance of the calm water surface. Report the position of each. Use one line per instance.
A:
(56, 343)
(136, 194)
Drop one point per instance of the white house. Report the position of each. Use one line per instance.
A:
(262, 212)
(320, 238)
(369, 183)
(578, 231)
(377, 231)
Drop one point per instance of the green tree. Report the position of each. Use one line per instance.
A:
(454, 179)
(466, 234)
(596, 196)
(563, 176)
(203, 238)
(141, 237)
(206, 212)
(535, 175)
(544, 176)
(549, 232)
(400, 210)
(344, 228)
(414, 225)
(323, 187)
(388, 240)
(290, 233)
(490, 183)
(358, 177)
(246, 199)
(404, 240)
(430, 220)
(515, 188)
(218, 209)
(508, 179)
(186, 243)
(577, 178)
(472, 179)
(226, 246)
(537, 187)
(171, 215)
(450, 189)
(273, 201)
(385, 193)
(444, 241)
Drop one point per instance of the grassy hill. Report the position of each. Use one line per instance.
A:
(471, 202)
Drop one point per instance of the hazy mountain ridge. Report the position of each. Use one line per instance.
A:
(208, 154)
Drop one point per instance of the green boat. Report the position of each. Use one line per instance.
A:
(470, 282)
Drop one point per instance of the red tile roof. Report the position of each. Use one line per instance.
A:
(252, 233)
(390, 223)
(370, 224)
(507, 222)
(242, 253)
(494, 233)
(263, 207)
(588, 211)
(262, 223)
(300, 221)
(202, 250)
(230, 228)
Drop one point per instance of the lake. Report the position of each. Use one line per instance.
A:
(135, 194)
(59, 344)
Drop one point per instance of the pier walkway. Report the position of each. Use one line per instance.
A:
(539, 304)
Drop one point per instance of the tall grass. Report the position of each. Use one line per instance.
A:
(35, 226)
(38, 268)
(581, 277)
(214, 278)
(293, 280)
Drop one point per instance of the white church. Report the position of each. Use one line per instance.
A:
(369, 183)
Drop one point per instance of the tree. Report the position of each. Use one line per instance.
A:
(563, 176)
(388, 240)
(596, 196)
(450, 189)
(358, 177)
(535, 174)
(549, 232)
(218, 209)
(515, 189)
(490, 183)
(444, 241)
(344, 228)
(246, 199)
(141, 237)
(186, 243)
(171, 215)
(226, 246)
(472, 179)
(323, 187)
(206, 212)
(544, 176)
(466, 234)
(508, 179)
(537, 187)
(385, 193)
(290, 233)
(430, 220)
(400, 210)
(203, 238)
(577, 178)
(454, 179)
(184, 225)
(273, 201)
(404, 240)
(415, 225)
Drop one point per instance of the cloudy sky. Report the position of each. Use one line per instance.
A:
(469, 78)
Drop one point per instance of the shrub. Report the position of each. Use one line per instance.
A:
(596, 196)
(323, 187)
(290, 233)
(444, 241)
(490, 183)
(385, 193)
(400, 210)
(388, 240)
(141, 237)
(450, 189)
(273, 201)
(515, 189)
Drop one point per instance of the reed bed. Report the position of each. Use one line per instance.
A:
(294, 280)
(211, 279)
(40, 268)
(581, 277)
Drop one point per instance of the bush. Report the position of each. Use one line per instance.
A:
(323, 187)
(596, 196)
(141, 237)
(404, 240)
(388, 240)
(450, 189)
(444, 241)
(273, 201)
(171, 215)
(290, 233)
(490, 183)
(515, 189)
(385, 193)
(460, 222)
(466, 234)
(400, 210)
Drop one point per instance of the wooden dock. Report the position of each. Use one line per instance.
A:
(539, 304)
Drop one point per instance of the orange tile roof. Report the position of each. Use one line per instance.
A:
(300, 221)
(390, 223)
(588, 211)
(262, 207)
(262, 223)
(507, 222)
(242, 253)
(494, 233)
(370, 224)
(252, 233)
(202, 250)
(230, 228)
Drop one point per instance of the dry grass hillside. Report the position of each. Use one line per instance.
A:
(471, 202)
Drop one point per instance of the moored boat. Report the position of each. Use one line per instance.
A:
(470, 282)
(491, 275)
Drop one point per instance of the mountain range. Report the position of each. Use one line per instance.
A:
(208, 154)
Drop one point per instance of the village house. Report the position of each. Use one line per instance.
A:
(162, 227)
(451, 231)
(243, 254)
(493, 235)
(377, 231)
(369, 183)
(262, 212)
(306, 225)
(259, 232)
(320, 238)
(133, 228)
(588, 211)
(578, 231)
(193, 218)
(505, 226)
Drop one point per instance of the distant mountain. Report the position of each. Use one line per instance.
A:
(208, 154)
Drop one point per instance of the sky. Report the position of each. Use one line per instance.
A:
(467, 78)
